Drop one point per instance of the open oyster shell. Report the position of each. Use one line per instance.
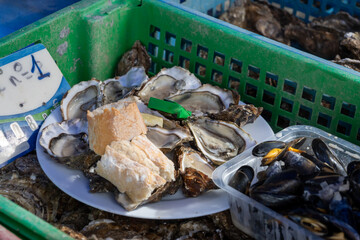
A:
(80, 98)
(195, 170)
(168, 82)
(206, 99)
(168, 139)
(88, 95)
(118, 88)
(67, 143)
(219, 140)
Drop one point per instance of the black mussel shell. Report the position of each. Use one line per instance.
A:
(351, 167)
(297, 143)
(273, 168)
(303, 166)
(280, 190)
(263, 148)
(242, 178)
(323, 153)
(323, 166)
(276, 201)
(354, 179)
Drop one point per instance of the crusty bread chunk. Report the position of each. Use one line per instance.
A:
(129, 177)
(166, 166)
(132, 152)
(114, 122)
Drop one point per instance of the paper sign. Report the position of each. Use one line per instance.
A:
(31, 86)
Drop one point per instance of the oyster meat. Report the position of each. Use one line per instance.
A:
(79, 99)
(88, 95)
(206, 99)
(168, 82)
(168, 139)
(219, 140)
(195, 170)
(67, 143)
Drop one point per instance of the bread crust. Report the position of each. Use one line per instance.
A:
(129, 177)
(114, 122)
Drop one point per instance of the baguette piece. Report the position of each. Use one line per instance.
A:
(166, 166)
(135, 154)
(129, 177)
(113, 122)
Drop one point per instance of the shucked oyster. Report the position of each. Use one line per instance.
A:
(168, 82)
(117, 88)
(67, 142)
(80, 98)
(206, 99)
(88, 95)
(218, 140)
(168, 139)
(195, 170)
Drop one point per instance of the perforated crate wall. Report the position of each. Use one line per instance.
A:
(303, 9)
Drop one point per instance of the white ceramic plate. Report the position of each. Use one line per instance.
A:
(75, 184)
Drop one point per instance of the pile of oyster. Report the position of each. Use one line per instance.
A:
(210, 136)
(334, 37)
(307, 183)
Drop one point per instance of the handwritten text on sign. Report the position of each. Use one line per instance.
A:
(28, 83)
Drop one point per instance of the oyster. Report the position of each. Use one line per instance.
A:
(350, 45)
(135, 57)
(349, 63)
(206, 99)
(67, 143)
(195, 170)
(218, 140)
(117, 88)
(168, 139)
(239, 114)
(168, 82)
(79, 99)
(88, 95)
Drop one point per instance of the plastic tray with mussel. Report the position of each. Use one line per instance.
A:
(302, 184)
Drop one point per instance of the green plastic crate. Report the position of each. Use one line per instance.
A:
(25, 224)
(308, 90)
(88, 38)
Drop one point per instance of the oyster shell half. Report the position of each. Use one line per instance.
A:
(219, 140)
(67, 142)
(117, 88)
(168, 82)
(168, 139)
(206, 99)
(195, 170)
(80, 98)
(88, 95)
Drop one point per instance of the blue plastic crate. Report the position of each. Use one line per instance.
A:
(303, 9)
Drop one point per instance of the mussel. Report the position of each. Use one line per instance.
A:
(242, 178)
(303, 166)
(324, 154)
(280, 190)
(262, 149)
(323, 225)
(275, 150)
